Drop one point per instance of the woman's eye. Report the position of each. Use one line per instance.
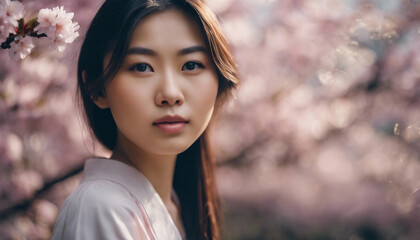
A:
(190, 66)
(142, 67)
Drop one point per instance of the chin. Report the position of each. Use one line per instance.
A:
(174, 149)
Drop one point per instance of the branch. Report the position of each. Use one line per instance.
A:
(27, 203)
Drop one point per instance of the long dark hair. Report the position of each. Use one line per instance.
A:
(110, 33)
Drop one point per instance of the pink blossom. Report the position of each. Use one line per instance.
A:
(13, 9)
(10, 13)
(25, 183)
(47, 20)
(5, 28)
(46, 211)
(57, 24)
(21, 48)
(11, 148)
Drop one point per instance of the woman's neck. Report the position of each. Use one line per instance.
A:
(159, 170)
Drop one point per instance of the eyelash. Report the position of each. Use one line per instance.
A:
(197, 64)
(135, 66)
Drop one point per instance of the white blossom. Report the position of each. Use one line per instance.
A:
(5, 27)
(21, 47)
(47, 22)
(57, 24)
(13, 9)
(10, 13)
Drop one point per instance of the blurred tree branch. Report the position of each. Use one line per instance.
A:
(27, 203)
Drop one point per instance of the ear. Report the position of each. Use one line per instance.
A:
(99, 101)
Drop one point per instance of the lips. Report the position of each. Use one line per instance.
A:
(170, 124)
(170, 119)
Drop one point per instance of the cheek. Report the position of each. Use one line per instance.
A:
(209, 97)
(205, 98)
(127, 102)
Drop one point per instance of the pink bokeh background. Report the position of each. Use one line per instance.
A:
(321, 141)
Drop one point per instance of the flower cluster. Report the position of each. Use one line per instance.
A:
(20, 37)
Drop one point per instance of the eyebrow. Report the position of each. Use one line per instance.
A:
(151, 52)
(192, 49)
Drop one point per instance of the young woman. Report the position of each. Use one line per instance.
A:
(151, 73)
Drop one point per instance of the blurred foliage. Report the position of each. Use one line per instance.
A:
(322, 140)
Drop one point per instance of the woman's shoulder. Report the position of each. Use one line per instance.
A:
(108, 184)
(97, 207)
(99, 194)
(109, 203)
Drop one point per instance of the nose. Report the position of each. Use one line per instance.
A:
(169, 92)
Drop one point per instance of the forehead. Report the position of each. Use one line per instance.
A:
(167, 30)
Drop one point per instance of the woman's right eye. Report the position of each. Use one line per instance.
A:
(141, 67)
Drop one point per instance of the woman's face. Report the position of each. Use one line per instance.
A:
(163, 96)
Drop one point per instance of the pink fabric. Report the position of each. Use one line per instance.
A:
(147, 226)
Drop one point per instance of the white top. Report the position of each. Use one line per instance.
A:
(114, 201)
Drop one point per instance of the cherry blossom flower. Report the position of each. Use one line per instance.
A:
(10, 13)
(54, 25)
(5, 28)
(25, 182)
(21, 48)
(46, 211)
(11, 148)
(57, 24)
(13, 9)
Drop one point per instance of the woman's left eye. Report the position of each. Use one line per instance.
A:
(191, 66)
